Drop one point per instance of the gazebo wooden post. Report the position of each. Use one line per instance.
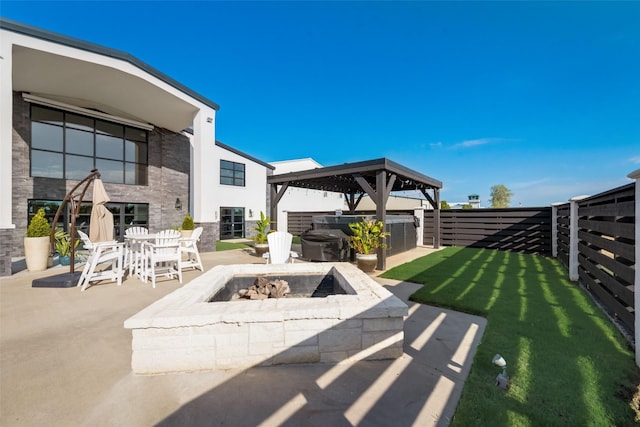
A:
(275, 199)
(381, 213)
(435, 202)
(436, 219)
(352, 203)
(274, 206)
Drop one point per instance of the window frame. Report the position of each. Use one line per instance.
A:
(235, 169)
(123, 218)
(122, 163)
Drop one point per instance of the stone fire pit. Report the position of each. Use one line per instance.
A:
(184, 331)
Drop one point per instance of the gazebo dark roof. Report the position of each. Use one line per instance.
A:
(377, 178)
(342, 178)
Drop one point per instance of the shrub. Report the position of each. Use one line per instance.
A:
(63, 242)
(39, 226)
(367, 236)
(187, 222)
(261, 229)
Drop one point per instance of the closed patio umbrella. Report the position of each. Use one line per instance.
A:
(101, 226)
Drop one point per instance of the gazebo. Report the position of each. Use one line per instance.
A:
(376, 178)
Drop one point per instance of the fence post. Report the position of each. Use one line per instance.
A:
(636, 295)
(573, 237)
(419, 213)
(554, 228)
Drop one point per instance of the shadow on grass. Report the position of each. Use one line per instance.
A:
(568, 364)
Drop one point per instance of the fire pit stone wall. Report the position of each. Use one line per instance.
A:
(183, 332)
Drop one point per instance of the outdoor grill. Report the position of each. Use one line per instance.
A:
(325, 245)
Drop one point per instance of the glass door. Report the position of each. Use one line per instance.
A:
(231, 223)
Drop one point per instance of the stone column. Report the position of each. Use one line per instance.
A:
(636, 295)
(573, 237)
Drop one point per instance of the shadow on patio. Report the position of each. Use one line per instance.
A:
(66, 357)
(419, 388)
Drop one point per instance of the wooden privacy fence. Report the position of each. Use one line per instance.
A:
(599, 247)
(299, 222)
(514, 229)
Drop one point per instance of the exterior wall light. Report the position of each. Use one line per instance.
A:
(178, 204)
(502, 380)
(250, 213)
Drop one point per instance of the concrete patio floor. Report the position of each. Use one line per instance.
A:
(65, 361)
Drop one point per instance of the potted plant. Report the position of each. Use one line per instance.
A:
(261, 246)
(187, 226)
(63, 246)
(36, 242)
(368, 236)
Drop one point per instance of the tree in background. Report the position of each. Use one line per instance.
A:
(444, 205)
(467, 206)
(500, 196)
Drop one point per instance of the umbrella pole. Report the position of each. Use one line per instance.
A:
(75, 207)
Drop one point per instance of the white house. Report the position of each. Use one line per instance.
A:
(68, 106)
(237, 207)
(395, 203)
(301, 199)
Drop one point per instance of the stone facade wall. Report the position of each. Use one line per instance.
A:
(249, 229)
(210, 235)
(241, 345)
(179, 333)
(168, 179)
(6, 237)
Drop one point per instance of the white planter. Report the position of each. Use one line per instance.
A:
(36, 252)
(186, 233)
(367, 262)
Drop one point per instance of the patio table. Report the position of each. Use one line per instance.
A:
(135, 249)
(135, 252)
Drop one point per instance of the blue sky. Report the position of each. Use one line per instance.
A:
(543, 97)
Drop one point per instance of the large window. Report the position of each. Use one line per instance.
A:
(231, 173)
(125, 215)
(67, 145)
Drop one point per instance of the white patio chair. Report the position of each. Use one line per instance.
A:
(164, 257)
(101, 253)
(136, 230)
(280, 248)
(133, 249)
(190, 247)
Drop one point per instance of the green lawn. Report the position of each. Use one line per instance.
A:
(221, 245)
(568, 364)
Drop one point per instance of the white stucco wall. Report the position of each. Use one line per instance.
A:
(204, 154)
(253, 196)
(136, 86)
(394, 202)
(6, 130)
(301, 199)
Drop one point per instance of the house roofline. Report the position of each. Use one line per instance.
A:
(305, 159)
(245, 155)
(50, 36)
